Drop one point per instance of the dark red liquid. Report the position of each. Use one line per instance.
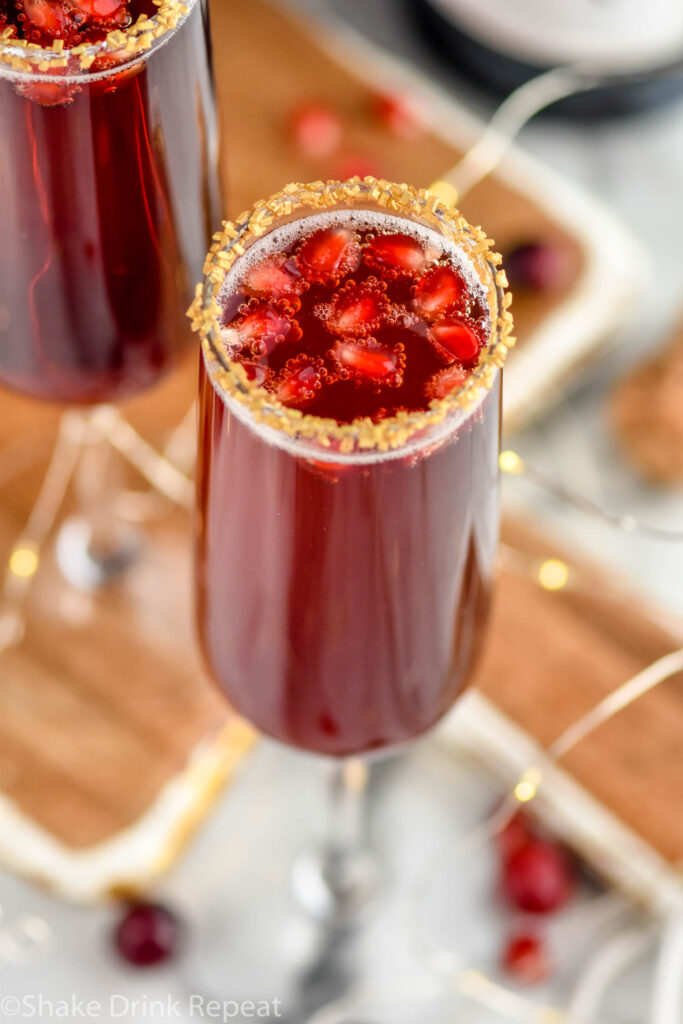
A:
(341, 607)
(109, 196)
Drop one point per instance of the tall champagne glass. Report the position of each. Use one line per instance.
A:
(352, 337)
(108, 173)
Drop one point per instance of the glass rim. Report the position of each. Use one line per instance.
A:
(25, 58)
(300, 200)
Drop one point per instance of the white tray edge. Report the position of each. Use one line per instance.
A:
(616, 852)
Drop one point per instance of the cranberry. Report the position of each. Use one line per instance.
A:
(525, 957)
(537, 266)
(397, 114)
(515, 834)
(147, 934)
(538, 877)
(315, 129)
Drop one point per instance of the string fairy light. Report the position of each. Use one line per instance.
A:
(24, 560)
(475, 983)
(551, 574)
(512, 464)
(162, 472)
(74, 432)
(522, 105)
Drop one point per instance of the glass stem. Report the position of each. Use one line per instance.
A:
(95, 546)
(337, 878)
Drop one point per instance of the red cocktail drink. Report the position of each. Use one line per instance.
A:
(348, 465)
(107, 170)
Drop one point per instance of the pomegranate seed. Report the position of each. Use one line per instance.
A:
(399, 253)
(438, 291)
(299, 380)
(441, 383)
(330, 253)
(357, 309)
(538, 266)
(111, 11)
(354, 165)
(265, 326)
(256, 372)
(456, 340)
(516, 833)
(538, 877)
(368, 361)
(48, 17)
(48, 94)
(147, 934)
(525, 957)
(315, 129)
(398, 115)
(274, 278)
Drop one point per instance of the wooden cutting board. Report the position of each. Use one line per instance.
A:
(552, 656)
(105, 702)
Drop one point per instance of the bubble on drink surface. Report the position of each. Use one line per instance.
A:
(284, 237)
(356, 309)
(287, 239)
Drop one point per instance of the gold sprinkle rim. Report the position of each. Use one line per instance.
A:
(127, 43)
(362, 433)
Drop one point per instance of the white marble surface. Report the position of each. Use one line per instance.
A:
(438, 898)
(636, 167)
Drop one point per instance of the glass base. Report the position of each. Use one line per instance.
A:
(337, 890)
(427, 947)
(260, 924)
(89, 558)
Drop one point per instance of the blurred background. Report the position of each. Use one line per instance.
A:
(623, 148)
(587, 209)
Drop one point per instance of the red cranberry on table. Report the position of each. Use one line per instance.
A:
(538, 877)
(398, 115)
(147, 934)
(515, 833)
(315, 129)
(525, 958)
(537, 266)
